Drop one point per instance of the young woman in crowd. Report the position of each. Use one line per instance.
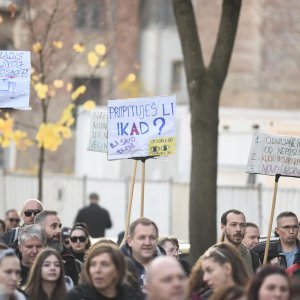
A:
(219, 266)
(103, 276)
(46, 279)
(10, 270)
(79, 241)
(270, 283)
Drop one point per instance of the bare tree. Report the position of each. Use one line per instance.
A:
(204, 88)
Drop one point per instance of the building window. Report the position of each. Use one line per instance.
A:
(6, 45)
(177, 76)
(157, 13)
(89, 14)
(93, 90)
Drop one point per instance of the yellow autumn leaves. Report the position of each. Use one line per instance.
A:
(7, 134)
(50, 136)
(95, 58)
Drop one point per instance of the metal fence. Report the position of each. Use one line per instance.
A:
(166, 202)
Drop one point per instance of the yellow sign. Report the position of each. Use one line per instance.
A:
(162, 146)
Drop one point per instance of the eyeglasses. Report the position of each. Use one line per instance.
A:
(30, 212)
(13, 220)
(289, 227)
(81, 239)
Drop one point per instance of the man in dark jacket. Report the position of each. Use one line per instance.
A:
(284, 250)
(96, 218)
(142, 247)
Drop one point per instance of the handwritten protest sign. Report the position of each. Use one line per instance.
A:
(98, 131)
(14, 79)
(141, 127)
(272, 154)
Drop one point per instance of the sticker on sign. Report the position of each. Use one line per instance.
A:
(274, 154)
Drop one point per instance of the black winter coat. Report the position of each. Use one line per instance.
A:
(86, 292)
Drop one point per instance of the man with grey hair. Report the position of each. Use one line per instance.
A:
(31, 240)
(166, 280)
(50, 222)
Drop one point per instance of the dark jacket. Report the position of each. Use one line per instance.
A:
(11, 236)
(86, 292)
(275, 250)
(139, 269)
(72, 265)
(96, 218)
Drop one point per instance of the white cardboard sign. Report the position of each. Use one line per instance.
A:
(274, 154)
(98, 131)
(15, 71)
(141, 127)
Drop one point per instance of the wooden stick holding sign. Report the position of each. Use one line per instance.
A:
(142, 188)
(271, 219)
(275, 156)
(130, 202)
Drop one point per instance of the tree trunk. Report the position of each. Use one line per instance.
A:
(41, 173)
(204, 87)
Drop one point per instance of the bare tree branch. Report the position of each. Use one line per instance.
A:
(225, 40)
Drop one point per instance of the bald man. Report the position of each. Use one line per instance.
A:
(166, 280)
(31, 207)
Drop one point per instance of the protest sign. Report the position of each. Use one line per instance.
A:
(14, 79)
(141, 127)
(98, 131)
(274, 154)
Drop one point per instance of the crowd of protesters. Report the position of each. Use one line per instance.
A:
(41, 260)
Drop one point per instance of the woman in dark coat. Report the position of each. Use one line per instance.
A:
(103, 276)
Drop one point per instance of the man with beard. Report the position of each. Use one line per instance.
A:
(51, 224)
(233, 224)
(286, 250)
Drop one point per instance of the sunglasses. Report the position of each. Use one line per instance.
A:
(29, 212)
(81, 239)
(11, 220)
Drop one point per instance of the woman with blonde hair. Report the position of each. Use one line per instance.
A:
(219, 266)
(46, 278)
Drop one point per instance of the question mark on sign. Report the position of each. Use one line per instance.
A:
(163, 122)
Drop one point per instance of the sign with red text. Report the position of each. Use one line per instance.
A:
(15, 68)
(141, 127)
(274, 154)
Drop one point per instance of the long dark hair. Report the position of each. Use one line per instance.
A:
(34, 288)
(258, 279)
